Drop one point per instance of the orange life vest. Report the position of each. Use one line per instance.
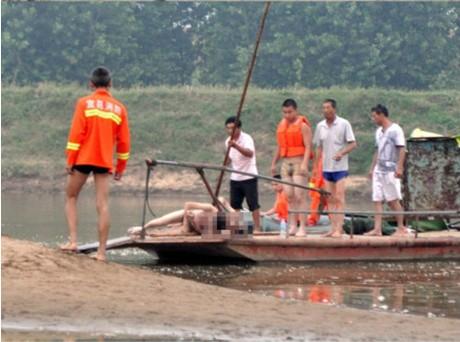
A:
(317, 200)
(281, 206)
(290, 139)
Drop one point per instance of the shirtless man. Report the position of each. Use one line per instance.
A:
(188, 221)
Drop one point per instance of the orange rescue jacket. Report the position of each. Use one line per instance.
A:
(281, 206)
(290, 139)
(99, 123)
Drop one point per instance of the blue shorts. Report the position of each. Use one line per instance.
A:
(334, 177)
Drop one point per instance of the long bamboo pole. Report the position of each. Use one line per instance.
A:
(245, 88)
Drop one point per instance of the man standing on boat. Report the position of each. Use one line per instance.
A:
(387, 168)
(242, 157)
(334, 139)
(294, 148)
(100, 122)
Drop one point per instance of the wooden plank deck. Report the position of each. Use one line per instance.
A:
(270, 247)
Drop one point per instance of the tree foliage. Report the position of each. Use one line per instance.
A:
(402, 45)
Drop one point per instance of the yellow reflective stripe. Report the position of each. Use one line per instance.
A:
(104, 115)
(123, 156)
(73, 146)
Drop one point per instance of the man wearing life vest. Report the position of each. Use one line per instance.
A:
(294, 145)
(100, 122)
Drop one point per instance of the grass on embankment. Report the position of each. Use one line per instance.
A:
(187, 123)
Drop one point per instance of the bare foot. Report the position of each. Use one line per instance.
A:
(373, 232)
(337, 235)
(134, 230)
(98, 257)
(333, 234)
(329, 234)
(401, 232)
(292, 230)
(69, 247)
(301, 233)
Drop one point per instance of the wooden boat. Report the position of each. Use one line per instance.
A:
(271, 247)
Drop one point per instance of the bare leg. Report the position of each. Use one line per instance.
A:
(176, 217)
(339, 206)
(256, 220)
(340, 203)
(170, 218)
(101, 181)
(330, 187)
(226, 204)
(301, 202)
(171, 230)
(401, 230)
(292, 219)
(377, 231)
(75, 183)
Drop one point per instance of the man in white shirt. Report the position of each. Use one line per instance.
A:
(242, 157)
(387, 169)
(334, 139)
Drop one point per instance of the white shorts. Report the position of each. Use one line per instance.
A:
(385, 187)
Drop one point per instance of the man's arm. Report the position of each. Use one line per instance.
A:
(347, 149)
(374, 162)
(317, 157)
(400, 145)
(268, 212)
(307, 138)
(275, 159)
(77, 131)
(123, 146)
(402, 156)
(247, 152)
(318, 153)
(351, 143)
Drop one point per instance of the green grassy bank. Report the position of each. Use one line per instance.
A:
(186, 123)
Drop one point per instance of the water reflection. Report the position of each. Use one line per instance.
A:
(423, 288)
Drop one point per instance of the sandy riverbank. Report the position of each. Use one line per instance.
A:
(42, 287)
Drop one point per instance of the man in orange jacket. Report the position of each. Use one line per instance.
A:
(100, 122)
(294, 148)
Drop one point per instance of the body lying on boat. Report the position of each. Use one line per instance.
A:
(227, 245)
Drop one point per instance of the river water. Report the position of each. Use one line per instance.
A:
(422, 288)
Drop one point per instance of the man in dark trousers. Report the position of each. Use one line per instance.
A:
(242, 157)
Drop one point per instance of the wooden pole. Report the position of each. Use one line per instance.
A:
(245, 88)
(230, 170)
